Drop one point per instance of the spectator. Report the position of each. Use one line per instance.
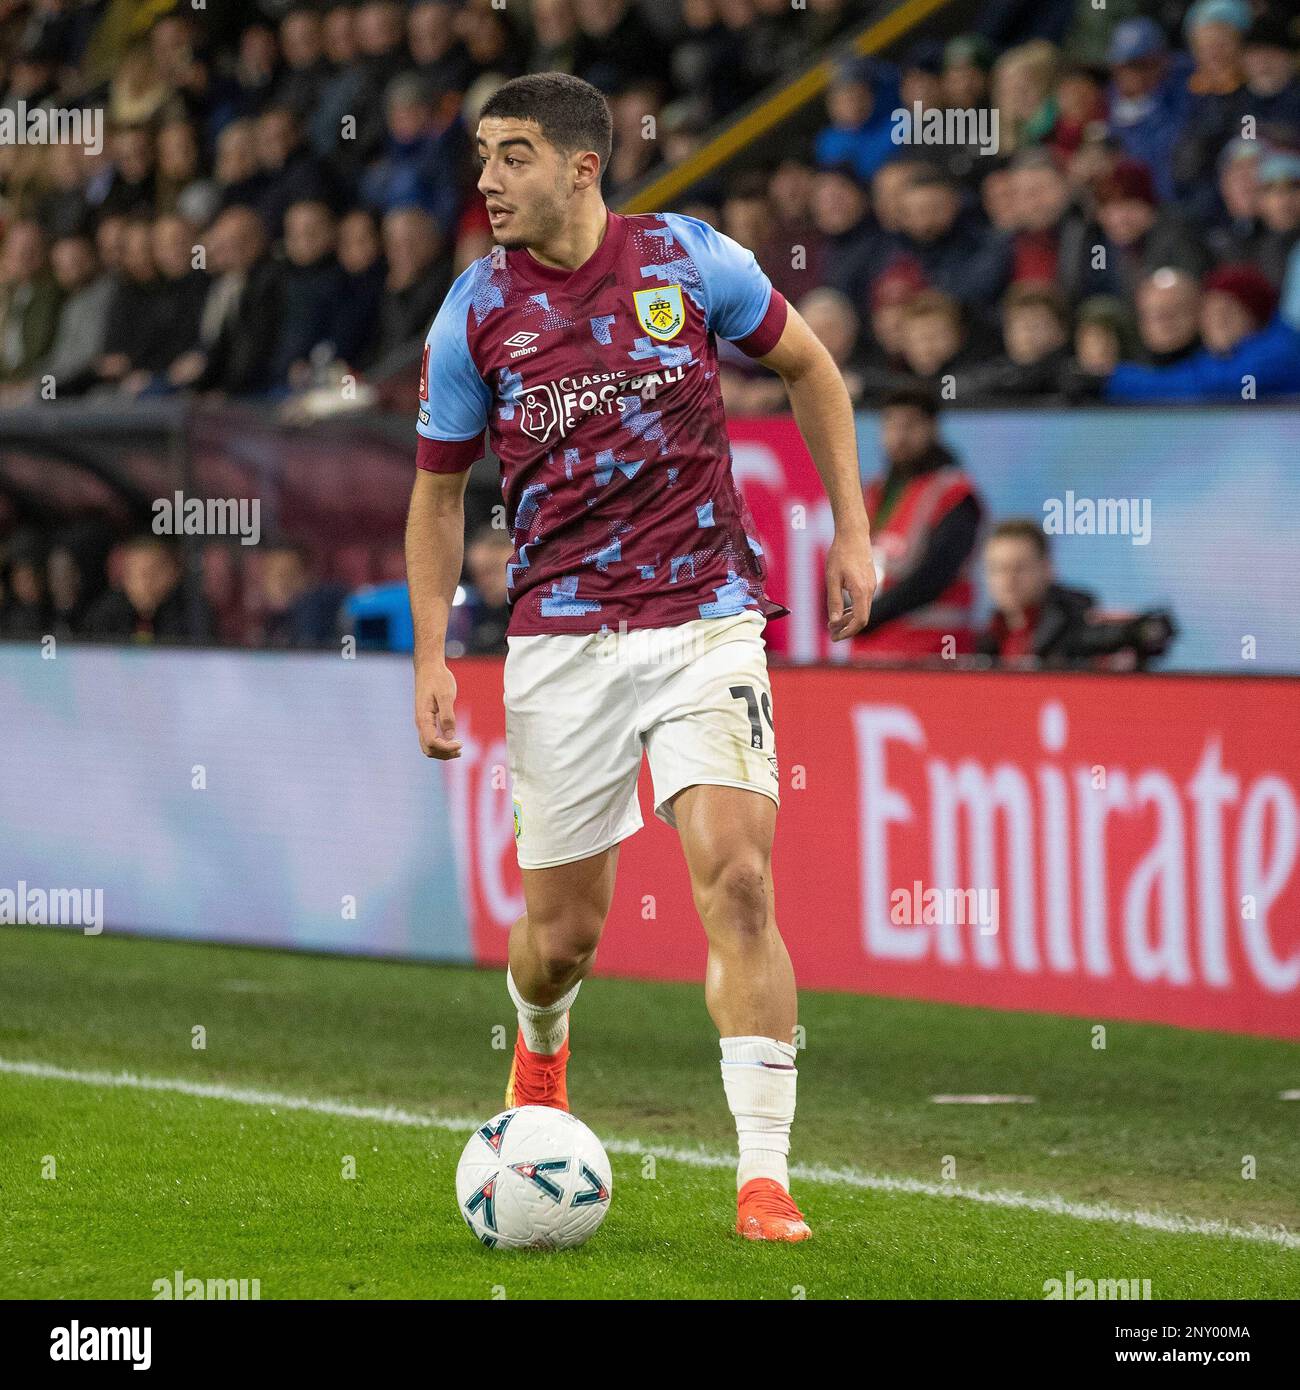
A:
(63, 209)
(1050, 241)
(1268, 60)
(847, 248)
(967, 61)
(925, 516)
(954, 254)
(150, 603)
(704, 61)
(1081, 104)
(241, 313)
(295, 174)
(1103, 336)
(493, 46)
(131, 186)
(1137, 235)
(356, 314)
(1214, 30)
(1279, 214)
(29, 302)
(418, 278)
(83, 317)
(884, 364)
(306, 71)
(254, 76)
(790, 195)
(314, 287)
(1229, 211)
(921, 77)
(615, 39)
(1024, 80)
(1169, 317)
(887, 186)
(77, 575)
(1035, 349)
(635, 108)
(176, 304)
(441, 61)
(1149, 99)
(1248, 354)
(340, 92)
(418, 168)
(133, 319)
(240, 178)
(933, 342)
(181, 188)
(26, 612)
(861, 100)
(747, 210)
(1037, 621)
(297, 609)
(832, 317)
(136, 91)
(478, 625)
(380, 57)
(998, 198)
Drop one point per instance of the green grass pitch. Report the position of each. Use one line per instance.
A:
(247, 1186)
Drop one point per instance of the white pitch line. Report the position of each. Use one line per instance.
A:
(984, 1100)
(1051, 1205)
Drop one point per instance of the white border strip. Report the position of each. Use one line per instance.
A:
(1167, 1222)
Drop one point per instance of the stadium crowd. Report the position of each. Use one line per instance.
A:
(1129, 234)
(285, 191)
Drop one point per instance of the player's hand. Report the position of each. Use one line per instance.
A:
(435, 711)
(849, 570)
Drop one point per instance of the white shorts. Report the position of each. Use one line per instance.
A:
(580, 708)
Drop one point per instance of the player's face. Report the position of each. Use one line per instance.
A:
(525, 181)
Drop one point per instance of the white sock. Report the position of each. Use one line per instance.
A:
(544, 1026)
(758, 1075)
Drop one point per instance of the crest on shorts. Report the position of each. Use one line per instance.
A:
(519, 820)
(660, 311)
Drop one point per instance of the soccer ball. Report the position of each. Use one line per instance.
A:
(533, 1178)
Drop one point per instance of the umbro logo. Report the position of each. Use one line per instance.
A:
(520, 340)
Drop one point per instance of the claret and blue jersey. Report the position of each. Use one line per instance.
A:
(599, 391)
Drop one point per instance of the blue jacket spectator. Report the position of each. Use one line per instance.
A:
(419, 164)
(1242, 340)
(861, 101)
(1149, 100)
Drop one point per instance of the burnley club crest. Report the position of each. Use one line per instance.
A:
(660, 312)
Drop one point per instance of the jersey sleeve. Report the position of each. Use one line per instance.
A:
(739, 301)
(454, 398)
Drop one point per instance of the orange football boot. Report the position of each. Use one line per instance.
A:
(538, 1078)
(766, 1211)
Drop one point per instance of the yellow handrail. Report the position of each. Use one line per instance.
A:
(758, 122)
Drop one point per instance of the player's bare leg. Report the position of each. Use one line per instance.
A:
(726, 835)
(551, 948)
